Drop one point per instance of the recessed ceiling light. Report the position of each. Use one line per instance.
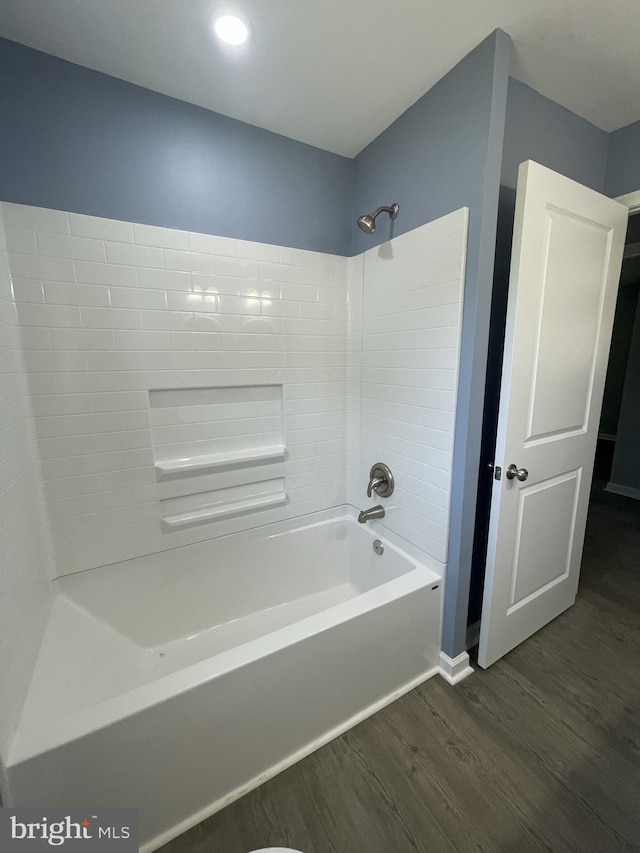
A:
(231, 29)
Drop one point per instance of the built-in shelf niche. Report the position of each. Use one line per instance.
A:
(197, 430)
(218, 452)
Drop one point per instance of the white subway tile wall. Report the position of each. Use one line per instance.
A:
(112, 310)
(403, 379)
(194, 426)
(366, 351)
(24, 557)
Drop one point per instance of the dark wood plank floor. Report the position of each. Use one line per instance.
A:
(540, 752)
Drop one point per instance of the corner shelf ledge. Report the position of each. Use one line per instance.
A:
(211, 513)
(193, 464)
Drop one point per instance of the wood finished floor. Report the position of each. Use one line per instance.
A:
(540, 752)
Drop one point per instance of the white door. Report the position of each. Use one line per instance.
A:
(567, 252)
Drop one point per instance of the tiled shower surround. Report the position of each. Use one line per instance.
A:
(185, 386)
(408, 345)
(24, 559)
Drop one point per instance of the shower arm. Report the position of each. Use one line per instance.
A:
(391, 210)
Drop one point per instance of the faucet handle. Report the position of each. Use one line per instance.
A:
(380, 480)
(374, 484)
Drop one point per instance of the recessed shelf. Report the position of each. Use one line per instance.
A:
(210, 461)
(211, 513)
(199, 430)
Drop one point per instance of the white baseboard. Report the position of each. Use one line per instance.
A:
(626, 491)
(455, 669)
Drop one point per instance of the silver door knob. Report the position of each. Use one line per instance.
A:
(518, 473)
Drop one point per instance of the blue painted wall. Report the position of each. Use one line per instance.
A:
(623, 161)
(432, 159)
(539, 129)
(444, 153)
(75, 139)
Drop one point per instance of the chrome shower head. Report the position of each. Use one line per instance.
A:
(367, 222)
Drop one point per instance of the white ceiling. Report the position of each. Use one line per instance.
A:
(335, 73)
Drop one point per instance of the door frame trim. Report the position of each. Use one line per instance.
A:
(632, 201)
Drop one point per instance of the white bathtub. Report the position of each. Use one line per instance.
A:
(177, 682)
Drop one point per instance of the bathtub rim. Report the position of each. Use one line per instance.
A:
(28, 743)
(377, 529)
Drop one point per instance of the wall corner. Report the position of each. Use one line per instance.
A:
(475, 331)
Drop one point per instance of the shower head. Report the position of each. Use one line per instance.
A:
(367, 222)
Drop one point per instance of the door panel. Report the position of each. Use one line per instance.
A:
(567, 254)
(574, 281)
(540, 561)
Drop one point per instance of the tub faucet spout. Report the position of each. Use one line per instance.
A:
(373, 512)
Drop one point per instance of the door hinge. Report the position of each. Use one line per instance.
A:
(497, 471)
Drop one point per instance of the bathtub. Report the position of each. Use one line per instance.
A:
(179, 681)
